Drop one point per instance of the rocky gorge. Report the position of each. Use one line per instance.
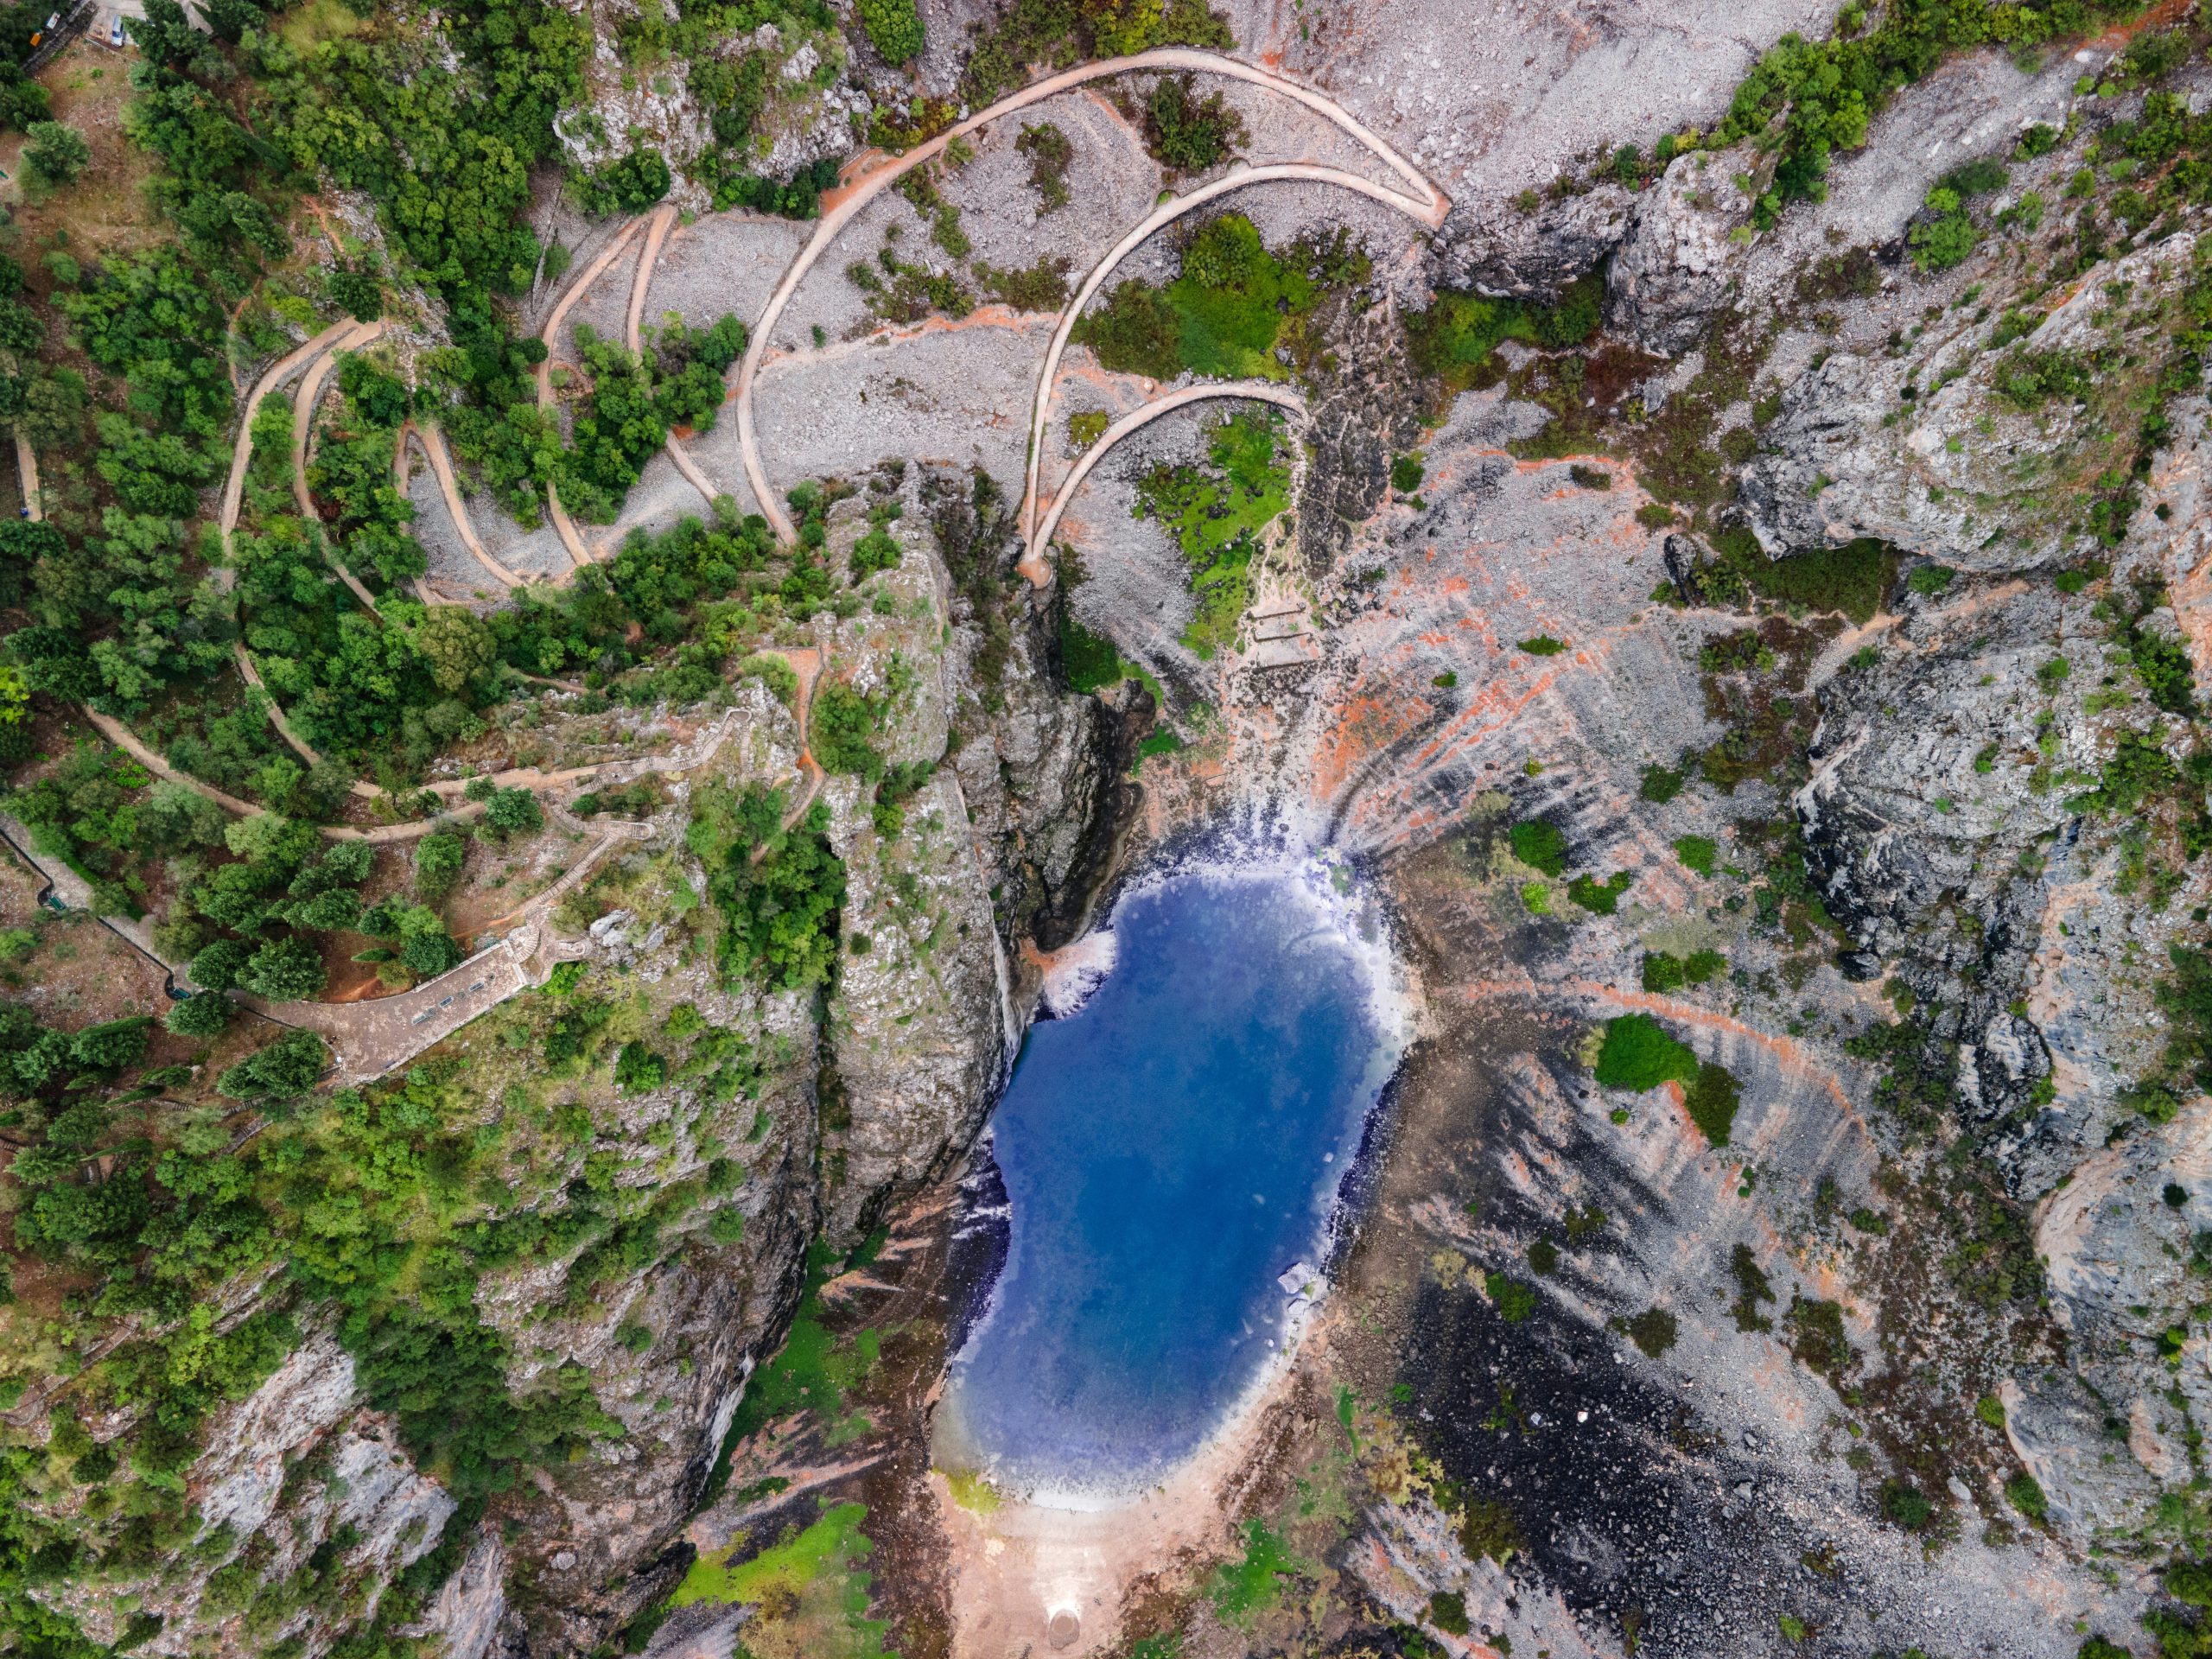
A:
(1730, 585)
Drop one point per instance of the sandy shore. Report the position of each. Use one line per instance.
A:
(1029, 1574)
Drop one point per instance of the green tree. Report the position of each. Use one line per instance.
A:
(206, 1015)
(55, 152)
(284, 971)
(285, 1069)
(438, 861)
(456, 644)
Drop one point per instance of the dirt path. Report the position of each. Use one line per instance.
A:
(658, 220)
(874, 173)
(434, 446)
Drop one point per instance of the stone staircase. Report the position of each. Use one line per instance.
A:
(1282, 634)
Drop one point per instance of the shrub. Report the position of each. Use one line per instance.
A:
(1544, 646)
(1711, 1099)
(1135, 332)
(1929, 580)
(845, 725)
(1697, 854)
(218, 966)
(513, 811)
(1599, 898)
(780, 911)
(1185, 133)
(1539, 845)
(726, 1226)
(638, 1067)
(1662, 784)
(1640, 1053)
(1050, 152)
(877, 551)
(1406, 473)
(2026, 1494)
(1447, 1611)
(438, 859)
(1513, 1299)
(894, 29)
(1543, 1256)
(284, 971)
(1590, 478)
(1654, 1331)
(1906, 1504)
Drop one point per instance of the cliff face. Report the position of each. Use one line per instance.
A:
(673, 1172)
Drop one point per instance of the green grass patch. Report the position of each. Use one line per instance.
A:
(1640, 1053)
(1239, 1590)
(1697, 853)
(811, 1583)
(1537, 897)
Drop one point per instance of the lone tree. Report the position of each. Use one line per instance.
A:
(55, 153)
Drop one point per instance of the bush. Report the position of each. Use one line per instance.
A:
(2026, 1494)
(208, 1014)
(285, 1069)
(438, 859)
(1406, 473)
(1539, 845)
(218, 966)
(1187, 134)
(1906, 1504)
(726, 1226)
(1712, 1100)
(1543, 645)
(1599, 898)
(1654, 1331)
(513, 812)
(1662, 784)
(55, 152)
(894, 29)
(1697, 853)
(1639, 1053)
(1513, 1299)
(284, 971)
(1137, 331)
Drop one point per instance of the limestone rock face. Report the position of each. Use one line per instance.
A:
(1498, 249)
(1990, 463)
(2121, 1242)
(1675, 267)
(1368, 410)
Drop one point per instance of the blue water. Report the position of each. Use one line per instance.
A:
(1167, 1151)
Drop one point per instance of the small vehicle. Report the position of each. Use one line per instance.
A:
(52, 20)
(115, 31)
